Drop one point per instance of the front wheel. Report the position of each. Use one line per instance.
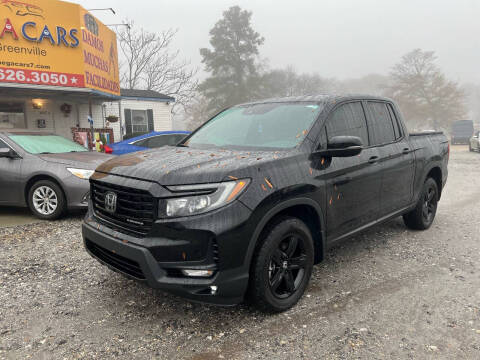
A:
(282, 265)
(421, 218)
(46, 200)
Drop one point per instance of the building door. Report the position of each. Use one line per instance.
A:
(12, 115)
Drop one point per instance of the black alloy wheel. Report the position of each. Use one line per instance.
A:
(429, 204)
(422, 216)
(282, 265)
(287, 266)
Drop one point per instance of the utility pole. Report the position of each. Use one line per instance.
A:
(90, 120)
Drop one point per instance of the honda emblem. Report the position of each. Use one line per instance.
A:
(111, 202)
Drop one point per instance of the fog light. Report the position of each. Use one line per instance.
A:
(213, 289)
(86, 197)
(197, 273)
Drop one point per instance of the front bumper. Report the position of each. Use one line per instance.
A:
(224, 238)
(77, 192)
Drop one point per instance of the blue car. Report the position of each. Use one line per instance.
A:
(151, 140)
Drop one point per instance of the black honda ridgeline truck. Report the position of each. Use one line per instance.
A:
(249, 202)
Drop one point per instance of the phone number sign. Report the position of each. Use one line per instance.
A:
(41, 77)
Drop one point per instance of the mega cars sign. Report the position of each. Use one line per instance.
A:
(56, 43)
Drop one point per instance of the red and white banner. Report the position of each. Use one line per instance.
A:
(36, 77)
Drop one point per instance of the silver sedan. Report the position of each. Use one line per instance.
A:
(475, 142)
(45, 172)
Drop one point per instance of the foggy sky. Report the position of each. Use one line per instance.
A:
(335, 38)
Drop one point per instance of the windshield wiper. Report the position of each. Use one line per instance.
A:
(45, 153)
(182, 145)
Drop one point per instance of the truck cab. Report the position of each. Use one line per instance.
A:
(251, 200)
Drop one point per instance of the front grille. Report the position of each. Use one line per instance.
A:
(121, 263)
(135, 209)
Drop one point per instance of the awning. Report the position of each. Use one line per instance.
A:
(55, 92)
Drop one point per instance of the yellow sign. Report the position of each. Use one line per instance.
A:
(56, 43)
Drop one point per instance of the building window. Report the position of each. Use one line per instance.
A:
(138, 122)
(11, 115)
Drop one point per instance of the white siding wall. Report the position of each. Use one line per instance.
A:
(57, 122)
(162, 114)
(111, 108)
(83, 111)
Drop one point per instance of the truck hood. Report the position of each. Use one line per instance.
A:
(177, 165)
(85, 160)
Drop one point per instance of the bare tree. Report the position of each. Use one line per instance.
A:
(149, 63)
(425, 95)
(287, 82)
(198, 112)
(372, 84)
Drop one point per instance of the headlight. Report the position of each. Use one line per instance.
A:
(210, 197)
(81, 173)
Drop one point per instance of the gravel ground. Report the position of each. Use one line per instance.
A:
(388, 293)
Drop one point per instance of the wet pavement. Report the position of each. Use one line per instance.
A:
(10, 216)
(387, 293)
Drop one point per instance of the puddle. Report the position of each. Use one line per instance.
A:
(10, 216)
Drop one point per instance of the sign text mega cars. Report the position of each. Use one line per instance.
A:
(56, 43)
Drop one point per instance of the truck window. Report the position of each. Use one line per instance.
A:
(396, 127)
(264, 125)
(380, 126)
(348, 119)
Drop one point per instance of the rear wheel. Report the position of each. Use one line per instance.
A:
(421, 218)
(282, 266)
(46, 200)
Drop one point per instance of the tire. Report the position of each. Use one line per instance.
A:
(421, 218)
(282, 265)
(470, 147)
(55, 205)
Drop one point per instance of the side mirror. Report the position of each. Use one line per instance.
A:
(341, 146)
(8, 153)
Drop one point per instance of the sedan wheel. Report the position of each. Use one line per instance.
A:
(46, 200)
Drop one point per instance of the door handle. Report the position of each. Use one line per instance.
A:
(343, 181)
(373, 160)
(406, 151)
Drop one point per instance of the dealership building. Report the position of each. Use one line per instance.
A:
(59, 73)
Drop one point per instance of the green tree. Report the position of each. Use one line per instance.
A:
(233, 61)
(426, 97)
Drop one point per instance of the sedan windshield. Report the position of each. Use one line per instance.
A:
(270, 125)
(46, 144)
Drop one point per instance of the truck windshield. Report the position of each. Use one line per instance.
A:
(270, 125)
(46, 144)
